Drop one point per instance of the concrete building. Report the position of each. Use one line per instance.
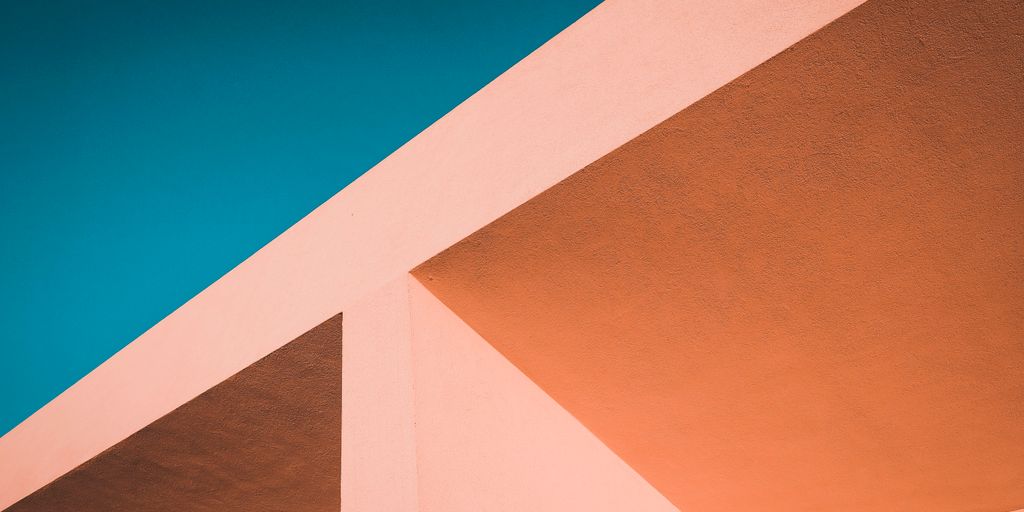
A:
(688, 255)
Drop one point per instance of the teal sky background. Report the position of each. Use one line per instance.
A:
(146, 148)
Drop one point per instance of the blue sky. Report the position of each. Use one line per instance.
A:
(146, 148)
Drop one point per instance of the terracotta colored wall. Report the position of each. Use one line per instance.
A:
(804, 292)
(265, 439)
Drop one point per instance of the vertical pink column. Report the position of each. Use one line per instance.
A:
(378, 447)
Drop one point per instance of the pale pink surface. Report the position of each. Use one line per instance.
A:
(487, 438)
(378, 440)
(435, 419)
(615, 73)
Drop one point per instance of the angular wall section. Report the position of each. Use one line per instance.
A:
(487, 438)
(265, 439)
(805, 291)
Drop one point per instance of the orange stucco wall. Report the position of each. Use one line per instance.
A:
(803, 292)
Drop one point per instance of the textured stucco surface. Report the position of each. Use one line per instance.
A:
(266, 439)
(804, 292)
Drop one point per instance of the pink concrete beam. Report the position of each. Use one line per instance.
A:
(624, 67)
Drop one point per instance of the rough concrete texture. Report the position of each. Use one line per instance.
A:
(804, 292)
(266, 439)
